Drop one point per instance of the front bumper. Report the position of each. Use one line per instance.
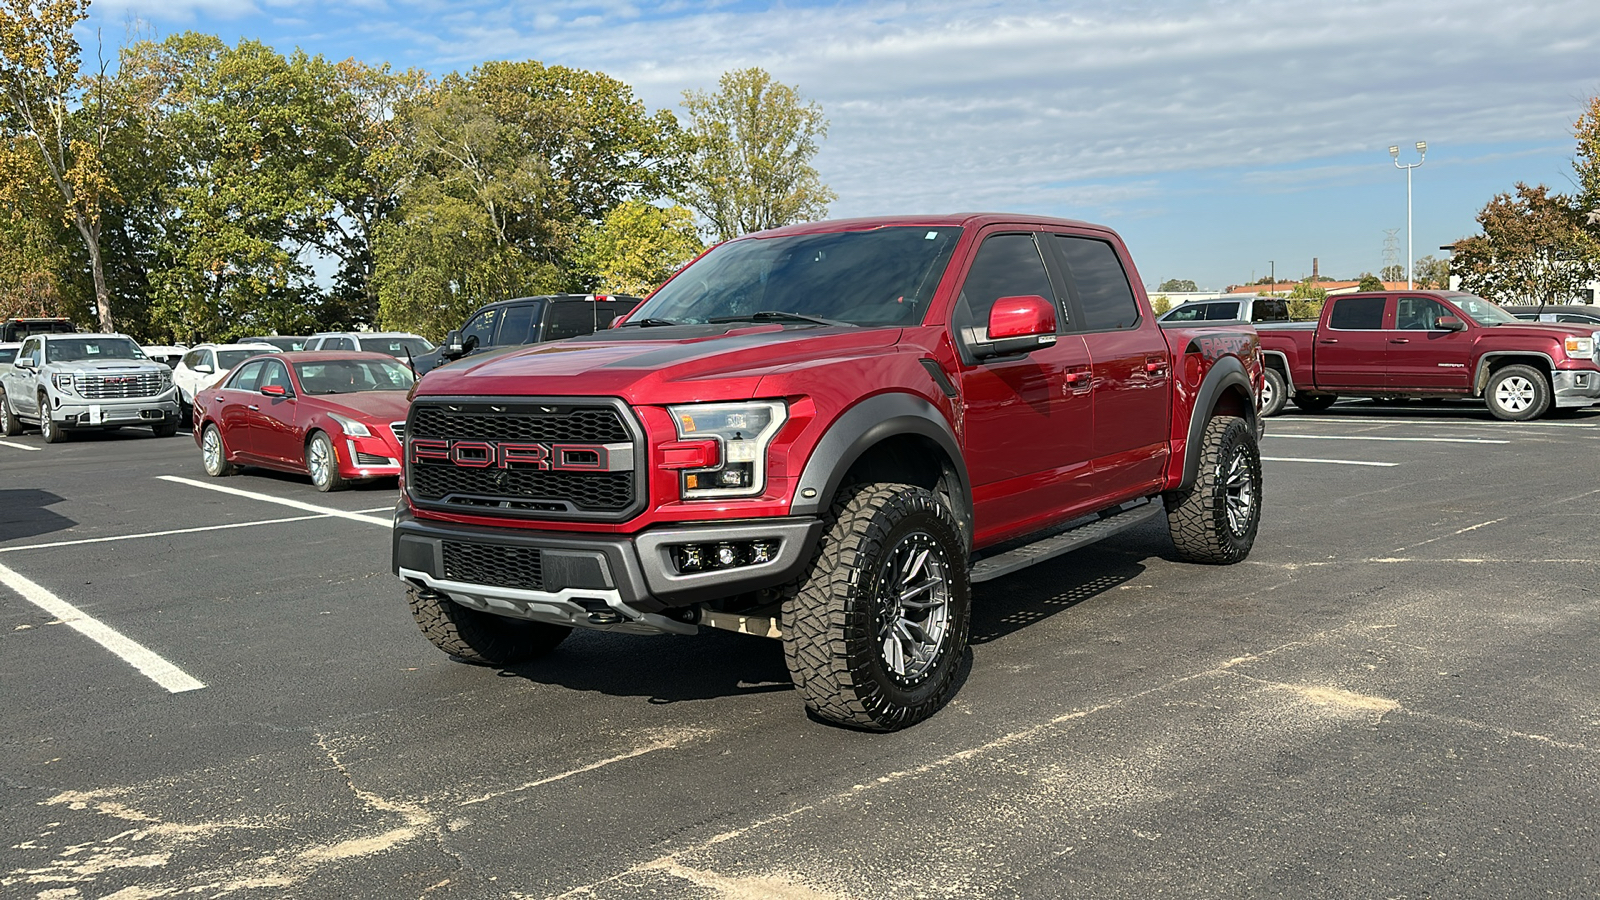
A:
(76, 412)
(1575, 387)
(605, 582)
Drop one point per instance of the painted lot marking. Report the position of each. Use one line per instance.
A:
(281, 501)
(130, 651)
(1437, 421)
(1332, 462)
(1409, 440)
(16, 446)
(195, 530)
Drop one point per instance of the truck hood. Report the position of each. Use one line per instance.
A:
(1544, 329)
(108, 366)
(675, 364)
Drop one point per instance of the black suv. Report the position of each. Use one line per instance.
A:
(529, 320)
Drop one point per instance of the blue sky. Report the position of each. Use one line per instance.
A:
(1215, 136)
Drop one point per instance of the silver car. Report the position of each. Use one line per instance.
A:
(62, 383)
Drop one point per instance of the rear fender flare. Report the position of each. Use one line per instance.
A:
(1227, 372)
(1283, 366)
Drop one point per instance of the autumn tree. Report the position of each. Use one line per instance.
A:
(748, 155)
(1533, 249)
(59, 115)
(1587, 166)
(1431, 273)
(636, 248)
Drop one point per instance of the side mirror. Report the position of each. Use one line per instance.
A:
(203, 368)
(617, 320)
(1450, 323)
(455, 348)
(274, 390)
(1018, 325)
(27, 362)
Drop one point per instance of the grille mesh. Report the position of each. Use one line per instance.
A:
(119, 387)
(591, 492)
(599, 425)
(512, 567)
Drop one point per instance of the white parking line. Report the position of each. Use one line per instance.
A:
(132, 652)
(1334, 462)
(281, 501)
(17, 446)
(151, 534)
(1367, 437)
(1438, 421)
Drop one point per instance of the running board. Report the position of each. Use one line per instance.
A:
(1127, 516)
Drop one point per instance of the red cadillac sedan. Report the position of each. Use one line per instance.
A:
(336, 416)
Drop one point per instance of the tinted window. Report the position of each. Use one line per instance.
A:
(1194, 312)
(248, 377)
(1357, 313)
(7, 354)
(569, 319)
(1222, 312)
(1007, 265)
(1103, 289)
(397, 347)
(1271, 311)
(1418, 313)
(516, 325)
(227, 359)
(346, 376)
(481, 326)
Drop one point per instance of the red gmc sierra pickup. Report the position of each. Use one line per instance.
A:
(824, 434)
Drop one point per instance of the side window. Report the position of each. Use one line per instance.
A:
(568, 320)
(1007, 265)
(210, 359)
(191, 359)
(1194, 312)
(517, 325)
(1273, 310)
(1222, 312)
(1418, 313)
(605, 312)
(274, 373)
(248, 378)
(344, 344)
(1357, 313)
(481, 326)
(1103, 289)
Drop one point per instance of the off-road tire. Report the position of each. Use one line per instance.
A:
(322, 463)
(1314, 402)
(215, 460)
(1215, 520)
(478, 637)
(1274, 393)
(10, 425)
(1517, 393)
(49, 428)
(166, 428)
(841, 623)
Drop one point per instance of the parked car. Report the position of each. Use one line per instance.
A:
(8, 352)
(281, 341)
(62, 383)
(206, 365)
(15, 329)
(529, 320)
(1237, 308)
(1430, 344)
(168, 356)
(336, 416)
(398, 344)
(1550, 312)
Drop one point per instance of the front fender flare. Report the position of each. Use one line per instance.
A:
(1227, 372)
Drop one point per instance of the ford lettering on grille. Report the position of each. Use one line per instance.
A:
(522, 454)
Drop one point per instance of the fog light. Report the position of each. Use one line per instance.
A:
(690, 559)
(761, 552)
(726, 555)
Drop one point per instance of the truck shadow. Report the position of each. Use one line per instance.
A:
(23, 514)
(1010, 604)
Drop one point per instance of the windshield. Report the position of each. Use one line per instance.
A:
(885, 276)
(282, 343)
(227, 359)
(349, 376)
(75, 349)
(1482, 311)
(396, 346)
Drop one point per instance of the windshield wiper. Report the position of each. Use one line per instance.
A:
(649, 322)
(775, 315)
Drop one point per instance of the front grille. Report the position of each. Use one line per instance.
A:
(119, 387)
(512, 567)
(372, 459)
(521, 489)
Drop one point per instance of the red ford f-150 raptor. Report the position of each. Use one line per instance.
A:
(1411, 344)
(825, 433)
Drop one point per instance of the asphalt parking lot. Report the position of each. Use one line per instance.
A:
(1395, 696)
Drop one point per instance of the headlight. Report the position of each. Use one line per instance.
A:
(351, 426)
(722, 447)
(64, 382)
(1580, 347)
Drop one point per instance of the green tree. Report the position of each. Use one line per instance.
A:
(1161, 303)
(636, 248)
(1429, 272)
(1178, 285)
(1395, 272)
(1533, 249)
(1369, 282)
(58, 114)
(748, 151)
(1305, 301)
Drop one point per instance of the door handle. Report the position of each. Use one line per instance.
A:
(1079, 380)
(1399, 340)
(1155, 365)
(1328, 341)
(254, 408)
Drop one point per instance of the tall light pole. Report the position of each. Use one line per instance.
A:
(1274, 264)
(1422, 154)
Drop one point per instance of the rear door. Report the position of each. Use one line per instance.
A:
(1423, 356)
(1132, 366)
(1351, 349)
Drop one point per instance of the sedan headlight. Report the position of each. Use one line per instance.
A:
(63, 382)
(351, 426)
(1579, 347)
(722, 447)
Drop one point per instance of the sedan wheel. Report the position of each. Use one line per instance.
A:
(323, 464)
(213, 454)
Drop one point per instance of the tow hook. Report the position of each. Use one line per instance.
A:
(760, 626)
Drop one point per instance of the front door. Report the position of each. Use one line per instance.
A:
(230, 404)
(1351, 351)
(1029, 421)
(274, 433)
(19, 382)
(1423, 356)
